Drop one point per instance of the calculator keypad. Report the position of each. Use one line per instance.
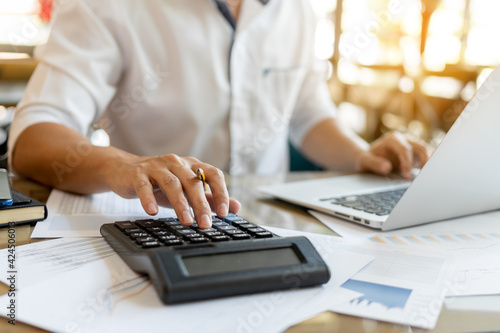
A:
(151, 233)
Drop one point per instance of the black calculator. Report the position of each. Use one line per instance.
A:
(233, 257)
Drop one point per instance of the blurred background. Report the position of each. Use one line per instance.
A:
(408, 65)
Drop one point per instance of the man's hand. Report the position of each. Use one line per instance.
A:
(170, 180)
(58, 156)
(394, 152)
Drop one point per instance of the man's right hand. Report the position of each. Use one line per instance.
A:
(170, 180)
(58, 156)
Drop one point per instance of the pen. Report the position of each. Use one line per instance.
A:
(201, 176)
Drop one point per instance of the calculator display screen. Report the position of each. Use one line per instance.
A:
(240, 261)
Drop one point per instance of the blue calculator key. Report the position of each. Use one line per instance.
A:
(231, 217)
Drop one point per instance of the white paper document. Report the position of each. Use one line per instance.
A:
(401, 285)
(74, 215)
(106, 296)
(41, 261)
(477, 270)
(489, 303)
(474, 240)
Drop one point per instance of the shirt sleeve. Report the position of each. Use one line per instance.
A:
(78, 71)
(314, 103)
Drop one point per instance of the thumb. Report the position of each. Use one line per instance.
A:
(376, 164)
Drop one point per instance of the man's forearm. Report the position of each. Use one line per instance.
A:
(60, 157)
(334, 148)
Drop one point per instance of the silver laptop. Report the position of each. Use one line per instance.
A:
(461, 178)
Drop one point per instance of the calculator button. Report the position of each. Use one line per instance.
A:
(125, 225)
(213, 234)
(171, 222)
(219, 224)
(189, 236)
(135, 235)
(179, 227)
(167, 237)
(198, 240)
(184, 232)
(233, 231)
(240, 236)
(255, 230)
(140, 240)
(129, 231)
(153, 229)
(220, 238)
(248, 225)
(240, 222)
(226, 227)
(151, 244)
(216, 219)
(161, 233)
(172, 242)
(148, 223)
(204, 231)
(265, 234)
(231, 217)
(168, 219)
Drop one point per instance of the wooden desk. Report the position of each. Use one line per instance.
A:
(264, 210)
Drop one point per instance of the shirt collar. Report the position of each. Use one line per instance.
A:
(253, 8)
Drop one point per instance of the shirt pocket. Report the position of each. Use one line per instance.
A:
(280, 88)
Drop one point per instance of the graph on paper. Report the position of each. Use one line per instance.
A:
(384, 295)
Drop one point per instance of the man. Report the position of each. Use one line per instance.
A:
(225, 82)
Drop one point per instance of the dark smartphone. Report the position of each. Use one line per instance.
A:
(5, 190)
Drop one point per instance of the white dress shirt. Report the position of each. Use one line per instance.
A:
(173, 76)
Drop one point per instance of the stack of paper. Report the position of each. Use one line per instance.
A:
(91, 290)
(378, 280)
(474, 241)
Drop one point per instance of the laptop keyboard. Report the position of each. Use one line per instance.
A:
(380, 203)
